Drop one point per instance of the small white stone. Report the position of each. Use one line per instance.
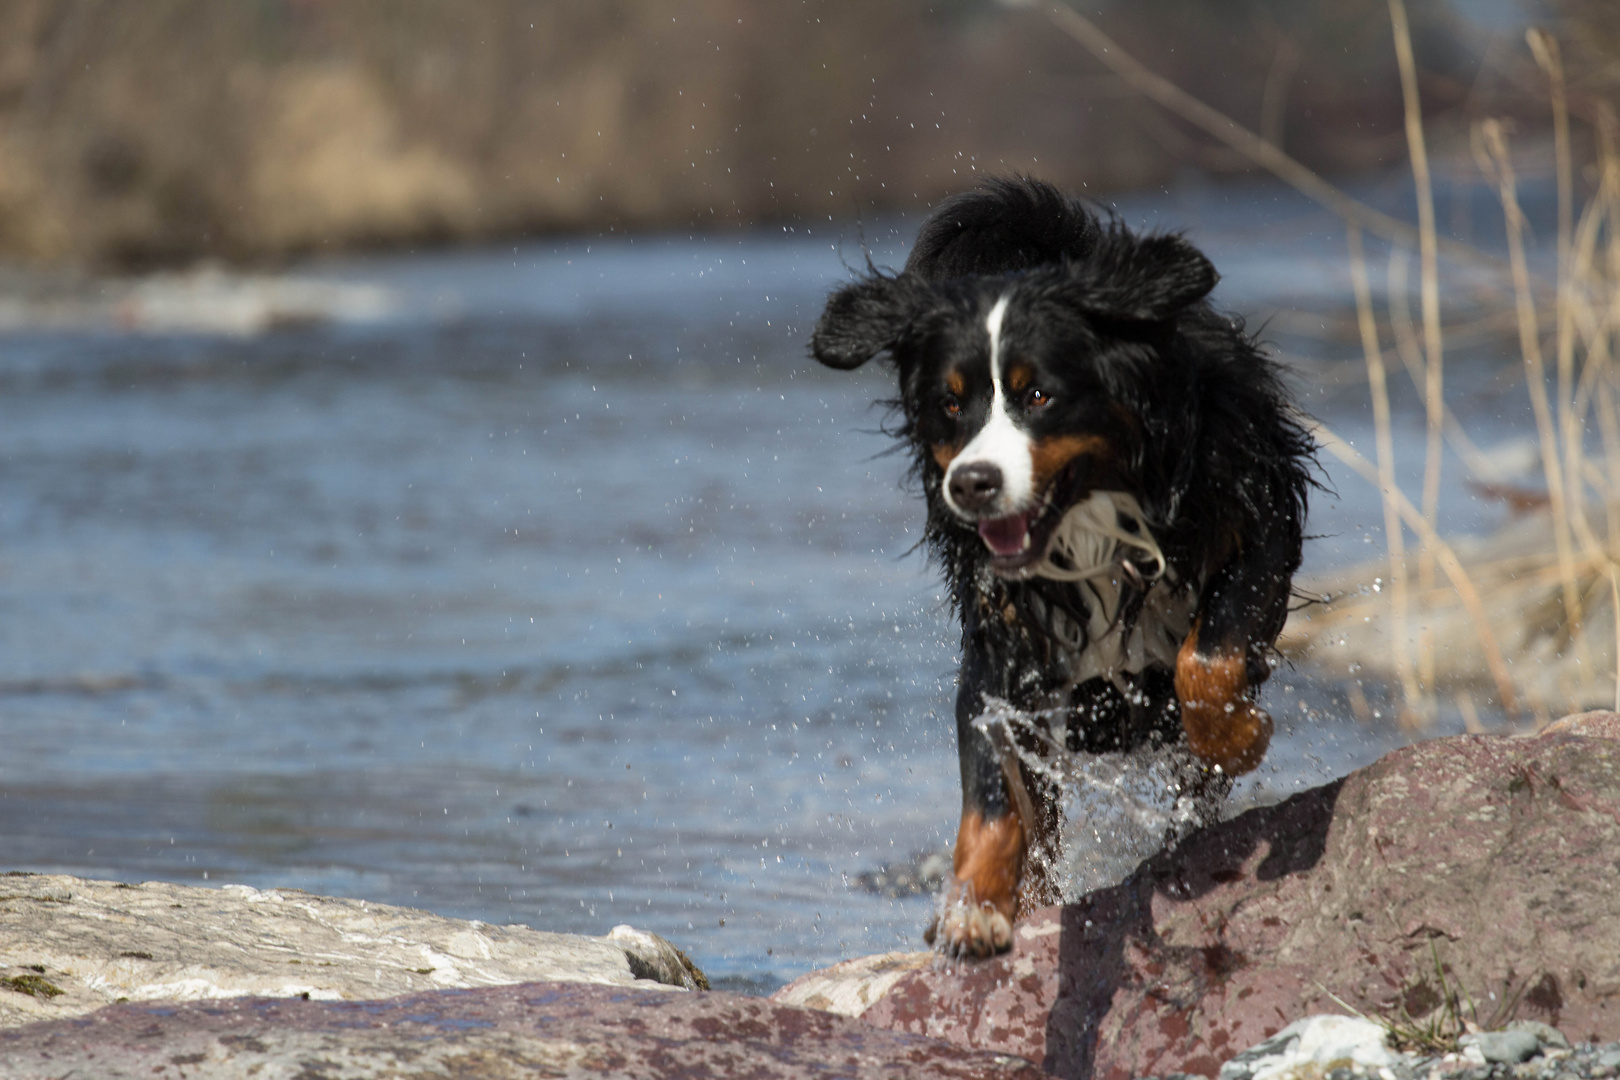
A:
(1314, 1046)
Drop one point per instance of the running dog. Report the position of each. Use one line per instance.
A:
(1116, 483)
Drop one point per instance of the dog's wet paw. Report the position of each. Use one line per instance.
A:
(967, 926)
(1224, 726)
(1234, 736)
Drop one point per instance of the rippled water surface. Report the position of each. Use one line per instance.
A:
(564, 592)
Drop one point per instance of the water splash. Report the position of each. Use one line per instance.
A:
(1118, 808)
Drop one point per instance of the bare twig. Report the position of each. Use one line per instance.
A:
(1274, 100)
(1240, 138)
(1429, 279)
(1614, 599)
(1396, 537)
(1470, 715)
(1495, 162)
(1545, 49)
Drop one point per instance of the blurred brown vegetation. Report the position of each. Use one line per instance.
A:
(167, 130)
(1591, 32)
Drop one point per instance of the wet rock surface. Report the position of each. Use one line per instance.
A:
(68, 946)
(1477, 868)
(852, 987)
(492, 1033)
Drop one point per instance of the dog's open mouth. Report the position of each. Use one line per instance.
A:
(1019, 541)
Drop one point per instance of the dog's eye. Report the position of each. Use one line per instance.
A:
(1037, 398)
(951, 406)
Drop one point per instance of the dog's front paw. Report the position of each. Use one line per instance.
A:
(968, 926)
(979, 902)
(1233, 734)
(1223, 725)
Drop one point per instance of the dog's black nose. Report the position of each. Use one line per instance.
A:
(974, 487)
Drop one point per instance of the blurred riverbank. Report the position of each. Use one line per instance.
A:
(167, 132)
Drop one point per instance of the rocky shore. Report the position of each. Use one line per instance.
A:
(1451, 911)
(1447, 890)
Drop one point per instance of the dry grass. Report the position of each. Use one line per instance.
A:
(1529, 616)
(1550, 582)
(1433, 339)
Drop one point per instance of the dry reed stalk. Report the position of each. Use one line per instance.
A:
(1594, 331)
(1563, 448)
(1358, 702)
(1274, 99)
(1609, 424)
(1429, 290)
(1575, 266)
(1598, 341)
(1470, 715)
(1222, 127)
(1414, 707)
(1571, 406)
(1499, 166)
(1447, 558)
(1545, 49)
(1534, 569)
(1614, 599)
(1600, 354)
(1411, 357)
(1400, 317)
(1598, 338)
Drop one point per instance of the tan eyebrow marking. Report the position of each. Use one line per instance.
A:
(1019, 377)
(955, 383)
(1049, 456)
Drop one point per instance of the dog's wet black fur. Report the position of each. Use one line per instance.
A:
(1114, 374)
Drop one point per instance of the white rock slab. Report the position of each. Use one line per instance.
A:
(1313, 1047)
(99, 942)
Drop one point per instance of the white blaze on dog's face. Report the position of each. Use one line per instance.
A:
(1019, 423)
(1001, 444)
(991, 481)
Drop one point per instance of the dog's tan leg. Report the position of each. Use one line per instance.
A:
(980, 903)
(1223, 725)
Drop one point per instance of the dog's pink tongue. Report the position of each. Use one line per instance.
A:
(1007, 535)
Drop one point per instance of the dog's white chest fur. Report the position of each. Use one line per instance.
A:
(1089, 549)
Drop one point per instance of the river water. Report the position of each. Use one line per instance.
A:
(552, 585)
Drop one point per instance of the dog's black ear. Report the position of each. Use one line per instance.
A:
(861, 320)
(1145, 279)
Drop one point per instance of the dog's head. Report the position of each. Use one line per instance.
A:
(1022, 391)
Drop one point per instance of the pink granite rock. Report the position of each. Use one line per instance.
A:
(1496, 860)
(490, 1033)
(1597, 724)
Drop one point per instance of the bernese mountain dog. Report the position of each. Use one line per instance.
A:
(1115, 480)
